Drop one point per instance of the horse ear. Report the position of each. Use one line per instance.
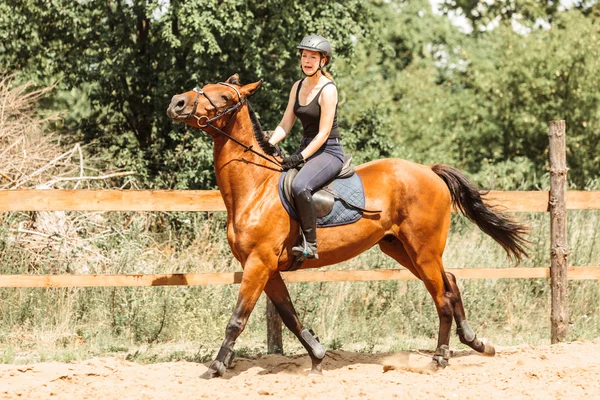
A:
(234, 80)
(249, 89)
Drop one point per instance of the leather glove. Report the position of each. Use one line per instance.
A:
(292, 161)
(273, 149)
(267, 147)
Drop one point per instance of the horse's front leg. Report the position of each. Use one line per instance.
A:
(279, 295)
(256, 274)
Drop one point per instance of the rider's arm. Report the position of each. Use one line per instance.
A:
(288, 119)
(328, 102)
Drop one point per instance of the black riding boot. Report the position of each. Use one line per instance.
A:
(308, 221)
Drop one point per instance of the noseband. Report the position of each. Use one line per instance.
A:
(205, 122)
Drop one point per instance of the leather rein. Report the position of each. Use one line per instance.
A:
(205, 122)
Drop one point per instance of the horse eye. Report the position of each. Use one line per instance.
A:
(225, 98)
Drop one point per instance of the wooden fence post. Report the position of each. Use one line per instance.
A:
(559, 249)
(274, 341)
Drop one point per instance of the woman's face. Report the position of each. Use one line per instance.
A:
(310, 61)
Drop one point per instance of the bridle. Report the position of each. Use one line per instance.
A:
(219, 114)
(205, 122)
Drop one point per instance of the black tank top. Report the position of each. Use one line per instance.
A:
(310, 115)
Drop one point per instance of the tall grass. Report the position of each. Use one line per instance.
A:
(163, 323)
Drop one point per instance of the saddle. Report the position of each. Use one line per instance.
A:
(324, 199)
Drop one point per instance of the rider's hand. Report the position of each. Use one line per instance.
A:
(292, 161)
(268, 147)
(273, 150)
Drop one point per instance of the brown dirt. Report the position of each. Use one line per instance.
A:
(564, 371)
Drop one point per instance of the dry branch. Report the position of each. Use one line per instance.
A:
(32, 156)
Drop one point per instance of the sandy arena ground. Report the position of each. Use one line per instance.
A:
(565, 371)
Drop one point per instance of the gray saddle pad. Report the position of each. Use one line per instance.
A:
(350, 189)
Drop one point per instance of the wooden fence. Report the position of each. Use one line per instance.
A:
(557, 201)
(209, 200)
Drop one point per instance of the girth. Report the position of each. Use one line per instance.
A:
(323, 198)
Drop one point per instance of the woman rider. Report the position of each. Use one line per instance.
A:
(314, 101)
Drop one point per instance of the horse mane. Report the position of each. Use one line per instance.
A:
(262, 137)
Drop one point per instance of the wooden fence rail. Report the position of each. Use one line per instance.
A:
(227, 278)
(210, 200)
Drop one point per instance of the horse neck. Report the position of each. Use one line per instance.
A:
(239, 172)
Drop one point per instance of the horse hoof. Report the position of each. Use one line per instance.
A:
(488, 348)
(215, 370)
(440, 362)
(209, 375)
(316, 368)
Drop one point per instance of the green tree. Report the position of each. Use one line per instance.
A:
(480, 102)
(118, 64)
(518, 83)
(411, 84)
(530, 13)
(389, 90)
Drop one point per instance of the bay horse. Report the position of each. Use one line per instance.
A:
(412, 227)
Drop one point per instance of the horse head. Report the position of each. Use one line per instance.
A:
(201, 107)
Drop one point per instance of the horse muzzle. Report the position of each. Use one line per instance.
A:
(177, 107)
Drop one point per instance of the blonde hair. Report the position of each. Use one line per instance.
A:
(327, 74)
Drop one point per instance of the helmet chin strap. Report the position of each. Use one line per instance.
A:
(313, 74)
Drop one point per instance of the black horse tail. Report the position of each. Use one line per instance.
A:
(467, 198)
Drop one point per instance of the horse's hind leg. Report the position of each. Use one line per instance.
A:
(395, 249)
(279, 295)
(428, 269)
(431, 272)
(464, 331)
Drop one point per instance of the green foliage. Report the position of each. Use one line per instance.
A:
(519, 173)
(411, 85)
(367, 137)
(481, 103)
(518, 83)
(485, 15)
(119, 63)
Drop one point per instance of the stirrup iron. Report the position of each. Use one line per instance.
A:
(302, 250)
